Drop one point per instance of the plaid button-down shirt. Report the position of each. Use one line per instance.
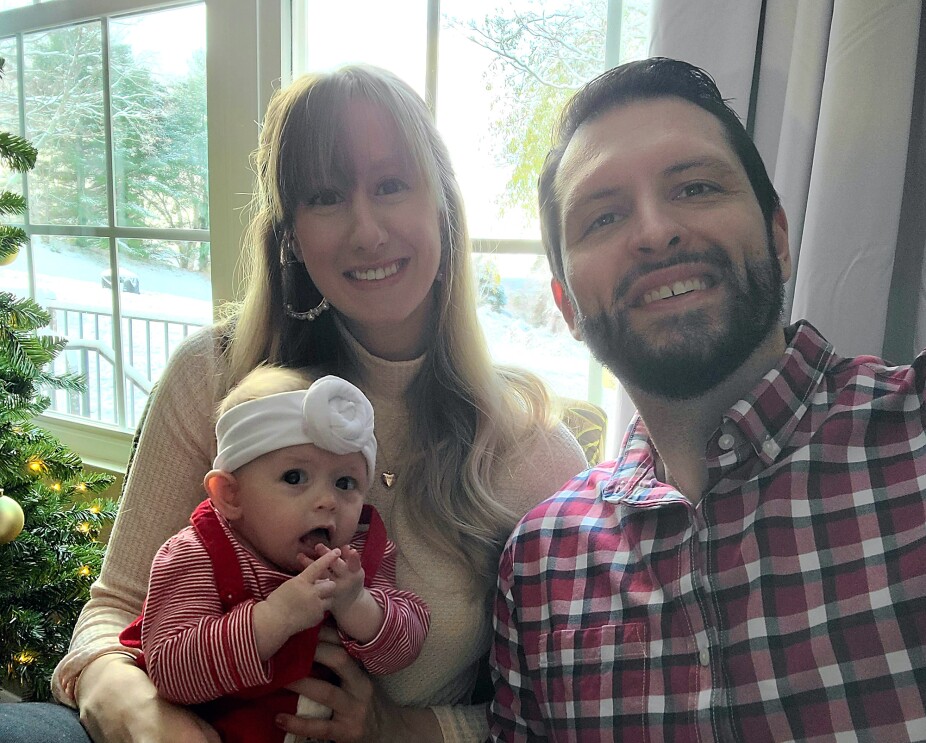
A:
(790, 604)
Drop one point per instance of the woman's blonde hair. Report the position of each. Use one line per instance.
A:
(466, 414)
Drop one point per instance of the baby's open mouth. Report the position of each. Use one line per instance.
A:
(321, 535)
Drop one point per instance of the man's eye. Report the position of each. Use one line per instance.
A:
(697, 189)
(346, 483)
(294, 477)
(391, 186)
(602, 221)
(324, 197)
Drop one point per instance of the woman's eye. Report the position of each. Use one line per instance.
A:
(325, 197)
(346, 483)
(294, 477)
(391, 186)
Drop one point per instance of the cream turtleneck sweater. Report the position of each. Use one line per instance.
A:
(176, 449)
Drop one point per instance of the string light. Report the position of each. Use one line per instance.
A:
(36, 465)
(24, 657)
(94, 508)
(56, 486)
(84, 527)
(81, 487)
(84, 571)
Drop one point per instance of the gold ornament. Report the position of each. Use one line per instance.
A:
(8, 259)
(11, 519)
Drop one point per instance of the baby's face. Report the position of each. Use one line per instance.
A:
(297, 497)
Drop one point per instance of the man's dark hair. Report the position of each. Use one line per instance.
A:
(657, 77)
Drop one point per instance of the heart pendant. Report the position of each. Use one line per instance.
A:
(388, 479)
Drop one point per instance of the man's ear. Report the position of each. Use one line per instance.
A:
(782, 246)
(561, 297)
(222, 488)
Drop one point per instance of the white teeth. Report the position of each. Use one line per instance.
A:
(679, 287)
(374, 274)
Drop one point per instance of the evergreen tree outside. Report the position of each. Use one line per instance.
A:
(47, 568)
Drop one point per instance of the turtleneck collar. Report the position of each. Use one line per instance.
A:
(381, 378)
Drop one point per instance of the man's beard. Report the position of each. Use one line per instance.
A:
(701, 353)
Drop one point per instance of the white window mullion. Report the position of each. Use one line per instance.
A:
(118, 370)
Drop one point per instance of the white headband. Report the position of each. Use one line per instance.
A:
(332, 414)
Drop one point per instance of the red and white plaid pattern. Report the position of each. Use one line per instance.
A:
(790, 605)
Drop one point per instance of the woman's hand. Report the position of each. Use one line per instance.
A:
(119, 704)
(358, 713)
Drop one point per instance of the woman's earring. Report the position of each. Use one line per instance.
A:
(287, 261)
(308, 315)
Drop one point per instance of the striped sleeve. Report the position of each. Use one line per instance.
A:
(194, 651)
(405, 624)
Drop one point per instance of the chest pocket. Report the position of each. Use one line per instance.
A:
(596, 676)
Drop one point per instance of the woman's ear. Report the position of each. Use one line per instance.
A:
(222, 488)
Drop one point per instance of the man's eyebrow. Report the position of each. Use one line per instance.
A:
(711, 163)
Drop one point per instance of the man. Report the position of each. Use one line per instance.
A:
(752, 567)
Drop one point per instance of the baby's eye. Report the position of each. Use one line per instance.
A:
(325, 197)
(346, 483)
(294, 477)
(391, 186)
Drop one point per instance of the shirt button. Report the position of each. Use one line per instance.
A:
(704, 657)
(769, 447)
(726, 441)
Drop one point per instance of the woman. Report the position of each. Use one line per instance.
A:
(360, 266)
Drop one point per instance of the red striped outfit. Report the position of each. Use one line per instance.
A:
(197, 633)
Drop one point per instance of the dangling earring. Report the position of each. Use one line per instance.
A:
(287, 261)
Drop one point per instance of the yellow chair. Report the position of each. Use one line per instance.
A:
(588, 423)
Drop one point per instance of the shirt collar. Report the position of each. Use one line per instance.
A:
(766, 417)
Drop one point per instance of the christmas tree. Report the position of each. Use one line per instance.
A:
(50, 518)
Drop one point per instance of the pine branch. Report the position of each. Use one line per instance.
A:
(11, 238)
(11, 203)
(17, 152)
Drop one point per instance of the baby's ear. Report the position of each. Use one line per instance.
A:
(222, 488)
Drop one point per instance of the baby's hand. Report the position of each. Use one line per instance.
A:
(303, 599)
(346, 574)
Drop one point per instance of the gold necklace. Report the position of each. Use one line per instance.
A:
(388, 476)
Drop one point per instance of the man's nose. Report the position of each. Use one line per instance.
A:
(658, 227)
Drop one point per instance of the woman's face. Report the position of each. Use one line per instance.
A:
(373, 247)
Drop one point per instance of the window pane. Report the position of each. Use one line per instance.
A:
(63, 80)
(163, 298)
(512, 69)
(68, 284)
(158, 89)
(9, 120)
(391, 35)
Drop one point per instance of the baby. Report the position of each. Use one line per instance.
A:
(236, 600)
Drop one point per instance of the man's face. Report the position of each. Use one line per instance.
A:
(672, 276)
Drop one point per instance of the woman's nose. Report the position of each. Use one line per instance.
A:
(369, 229)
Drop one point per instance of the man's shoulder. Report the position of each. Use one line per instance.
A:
(579, 498)
(878, 377)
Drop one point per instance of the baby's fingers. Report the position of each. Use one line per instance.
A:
(319, 568)
(352, 558)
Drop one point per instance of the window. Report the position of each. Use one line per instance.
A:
(118, 216)
(496, 75)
